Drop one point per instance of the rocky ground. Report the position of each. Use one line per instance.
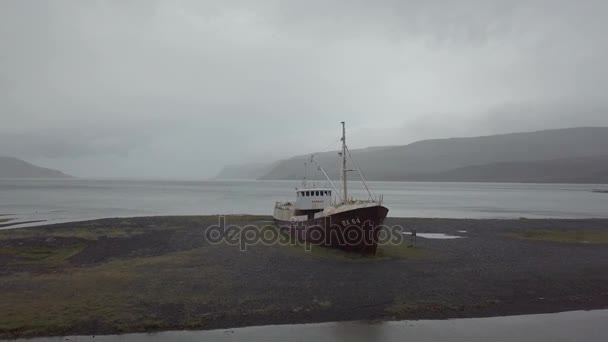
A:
(161, 273)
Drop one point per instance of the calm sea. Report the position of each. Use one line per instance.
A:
(80, 199)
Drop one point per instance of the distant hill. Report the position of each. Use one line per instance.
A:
(561, 155)
(11, 167)
(573, 170)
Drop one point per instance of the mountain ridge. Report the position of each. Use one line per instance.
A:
(431, 158)
(11, 167)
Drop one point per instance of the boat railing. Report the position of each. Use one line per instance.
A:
(376, 199)
(279, 204)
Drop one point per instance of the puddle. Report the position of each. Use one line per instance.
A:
(439, 236)
(566, 326)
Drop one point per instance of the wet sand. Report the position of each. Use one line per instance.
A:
(159, 273)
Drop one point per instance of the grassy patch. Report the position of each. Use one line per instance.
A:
(383, 252)
(401, 252)
(41, 254)
(84, 230)
(92, 230)
(402, 309)
(576, 236)
(247, 218)
(87, 233)
(230, 219)
(4, 219)
(332, 253)
(324, 304)
(320, 251)
(44, 294)
(143, 294)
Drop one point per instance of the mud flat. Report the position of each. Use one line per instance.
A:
(147, 274)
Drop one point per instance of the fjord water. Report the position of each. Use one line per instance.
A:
(63, 200)
(567, 326)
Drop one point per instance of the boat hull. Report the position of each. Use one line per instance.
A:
(355, 230)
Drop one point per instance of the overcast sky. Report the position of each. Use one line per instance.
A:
(177, 89)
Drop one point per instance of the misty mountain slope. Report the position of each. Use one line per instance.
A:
(11, 167)
(572, 170)
(439, 155)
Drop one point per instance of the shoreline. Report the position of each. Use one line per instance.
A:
(560, 324)
(157, 273)
(3, 224)
(6, 224)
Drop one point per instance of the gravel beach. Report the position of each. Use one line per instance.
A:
(160, 273)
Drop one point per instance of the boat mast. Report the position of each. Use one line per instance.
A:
(344, 170)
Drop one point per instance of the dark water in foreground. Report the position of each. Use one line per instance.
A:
(586, 326)
(81, 199)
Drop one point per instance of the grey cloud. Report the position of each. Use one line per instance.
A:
(191, 85)
(55, 146)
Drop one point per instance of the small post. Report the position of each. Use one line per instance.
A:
(413, 237)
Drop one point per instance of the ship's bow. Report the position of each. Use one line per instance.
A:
(356, 230)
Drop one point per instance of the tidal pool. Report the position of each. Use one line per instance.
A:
(439, 236)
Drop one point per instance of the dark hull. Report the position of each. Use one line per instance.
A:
(354, 230)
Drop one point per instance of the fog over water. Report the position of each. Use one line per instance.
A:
(176, 89)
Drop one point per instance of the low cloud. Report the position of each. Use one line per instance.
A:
(179, 88)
